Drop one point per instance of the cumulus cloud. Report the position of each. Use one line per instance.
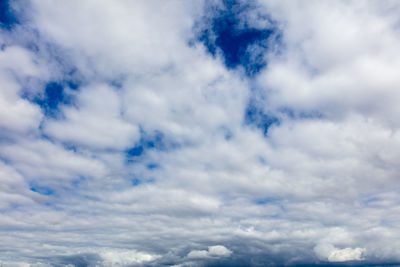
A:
(213, 251)
(97, 123)
(17, 115)
(199, 133)
(333, 254)
(125, 257)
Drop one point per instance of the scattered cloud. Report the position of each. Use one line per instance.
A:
(199, 133)
(333, 254)
(213, 251)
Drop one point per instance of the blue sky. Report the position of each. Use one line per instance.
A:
(199, 133)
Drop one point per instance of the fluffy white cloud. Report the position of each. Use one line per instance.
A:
(97, 122)
(17, 114)
(340, 65)
(332, 254)
(213, 251)
(124, 257)
(152, 153)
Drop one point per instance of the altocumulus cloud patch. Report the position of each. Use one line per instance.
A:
(199, 133)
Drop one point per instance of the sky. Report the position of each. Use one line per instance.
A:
(199, 133)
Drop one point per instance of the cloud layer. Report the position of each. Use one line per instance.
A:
(199, 133)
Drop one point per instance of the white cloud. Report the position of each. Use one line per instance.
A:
(97, 122)
(47, 161)
(219, 251)
(326, 174)
(213, 251)
(198, 254)
(346, 254)
(137, 37)
(17, 114)
(333, 254)
(125, 257)
(13, 190)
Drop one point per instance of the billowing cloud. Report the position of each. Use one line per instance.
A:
(199, 133)
(332, 254)
(213, 251)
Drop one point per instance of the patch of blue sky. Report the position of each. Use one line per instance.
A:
(135, 151)
(78, 182)
(226, 132)
(138, 182)
(70, 146)
(255, 116)
(301, 114)
(74, 85)
(43, 190)
(238, 43)
(73, 78)
(8, 18)
(65, 80)
(264, 201)
(228, 136)
(65, 77)
(118, 82)
(54, 95)
(155, 141)
(152, 166)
